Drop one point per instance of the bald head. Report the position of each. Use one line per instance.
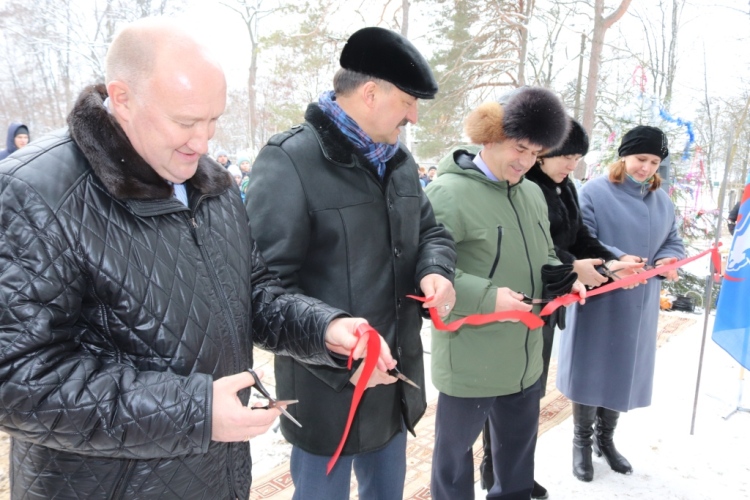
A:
(150, 44)
(167, 92)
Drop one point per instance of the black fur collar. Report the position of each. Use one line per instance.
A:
(537, 175)
(123, 172)
(337, 148)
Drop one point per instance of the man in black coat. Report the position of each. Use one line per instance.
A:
(344, 219)
(131, 292)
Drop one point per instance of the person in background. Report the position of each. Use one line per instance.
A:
(245, 169)
(236, 174)
(346, 221)
(222, 157)
(732, 218)
(18, 137)
(608, 348)
(573, 245)
(131, 291)
(423, 178)
(431, 173)
(500, 224)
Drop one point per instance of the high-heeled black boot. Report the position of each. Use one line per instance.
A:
(606, 422)
(583, 430)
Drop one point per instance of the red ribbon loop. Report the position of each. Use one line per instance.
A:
(371, 359)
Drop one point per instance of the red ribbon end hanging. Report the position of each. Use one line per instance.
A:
(371, 360)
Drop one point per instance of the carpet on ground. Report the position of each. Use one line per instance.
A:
(277, 484)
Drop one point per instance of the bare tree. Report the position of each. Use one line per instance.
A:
(601, 25)
(252, 12)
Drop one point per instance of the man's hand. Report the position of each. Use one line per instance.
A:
(580, 289)
(440, 292)
(508, 300)
(668, 275)
(587, 273)
(231, 420)
(341, 338)
(378, 377)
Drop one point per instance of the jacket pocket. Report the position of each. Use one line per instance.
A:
(497, 253)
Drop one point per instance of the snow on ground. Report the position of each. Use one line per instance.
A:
(668, 463)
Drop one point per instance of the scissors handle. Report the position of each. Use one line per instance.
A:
(531, 300)
(258, 386)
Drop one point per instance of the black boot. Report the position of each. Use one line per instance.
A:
(539, 492)
(606, 422)
(583, 429)
(486, 473)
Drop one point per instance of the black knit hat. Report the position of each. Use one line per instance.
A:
(21, 130)
(576, 143)
(528, 113)
(389, 56)
(644, 140)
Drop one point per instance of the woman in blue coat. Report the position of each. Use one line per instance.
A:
(607, 352)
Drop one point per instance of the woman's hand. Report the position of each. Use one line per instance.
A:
(587, 273)
(670, 275)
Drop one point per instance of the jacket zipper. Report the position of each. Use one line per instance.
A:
(227, 317)
(122, 483)
(497, 254)
(542, 229)
(533, 286)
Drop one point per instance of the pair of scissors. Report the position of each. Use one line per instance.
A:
(272, 402)
(531, 300)
(609, 273)
(395, 372)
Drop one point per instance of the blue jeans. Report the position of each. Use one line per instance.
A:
(380, 473)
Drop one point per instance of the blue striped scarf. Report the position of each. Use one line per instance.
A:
(377, 152)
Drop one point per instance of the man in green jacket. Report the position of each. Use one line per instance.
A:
(501, 229)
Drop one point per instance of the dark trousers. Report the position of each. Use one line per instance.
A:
(548, 335)
(513, 421)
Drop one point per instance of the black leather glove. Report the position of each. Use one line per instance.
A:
(557, 281)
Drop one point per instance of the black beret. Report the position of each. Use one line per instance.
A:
(644, 140)
(576, 143)
(387, 55)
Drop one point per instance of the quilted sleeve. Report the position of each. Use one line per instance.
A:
(288, 324)
(53, 391)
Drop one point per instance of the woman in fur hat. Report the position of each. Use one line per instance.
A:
(607, 352)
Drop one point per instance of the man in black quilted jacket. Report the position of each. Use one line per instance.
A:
(131, 292)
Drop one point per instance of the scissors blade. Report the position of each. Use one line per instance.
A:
(288, 415)
(394, 372)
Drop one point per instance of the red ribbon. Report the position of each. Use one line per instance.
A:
(629, 280)
(371, 359)
(529, 319)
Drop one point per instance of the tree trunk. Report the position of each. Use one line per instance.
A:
(601, 25)
(579, 83)
(406, 131)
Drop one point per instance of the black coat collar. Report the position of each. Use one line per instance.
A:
(120, 168)
(337, 148)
